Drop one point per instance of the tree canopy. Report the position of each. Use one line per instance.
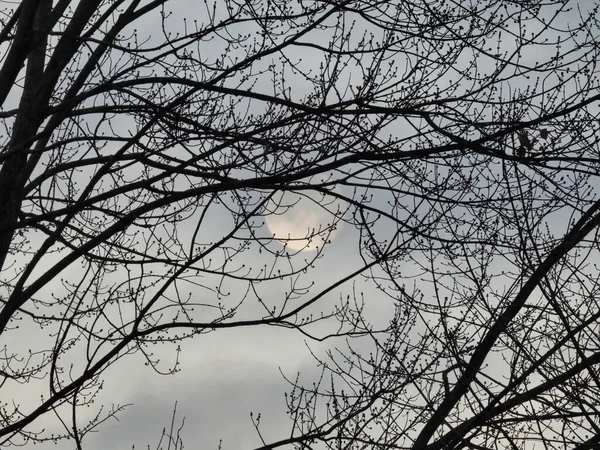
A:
(160, 160)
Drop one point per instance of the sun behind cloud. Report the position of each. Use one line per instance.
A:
(303, 222)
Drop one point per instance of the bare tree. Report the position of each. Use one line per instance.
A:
(142, 152)
(495, 342)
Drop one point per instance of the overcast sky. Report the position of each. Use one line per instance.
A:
(227, 374)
